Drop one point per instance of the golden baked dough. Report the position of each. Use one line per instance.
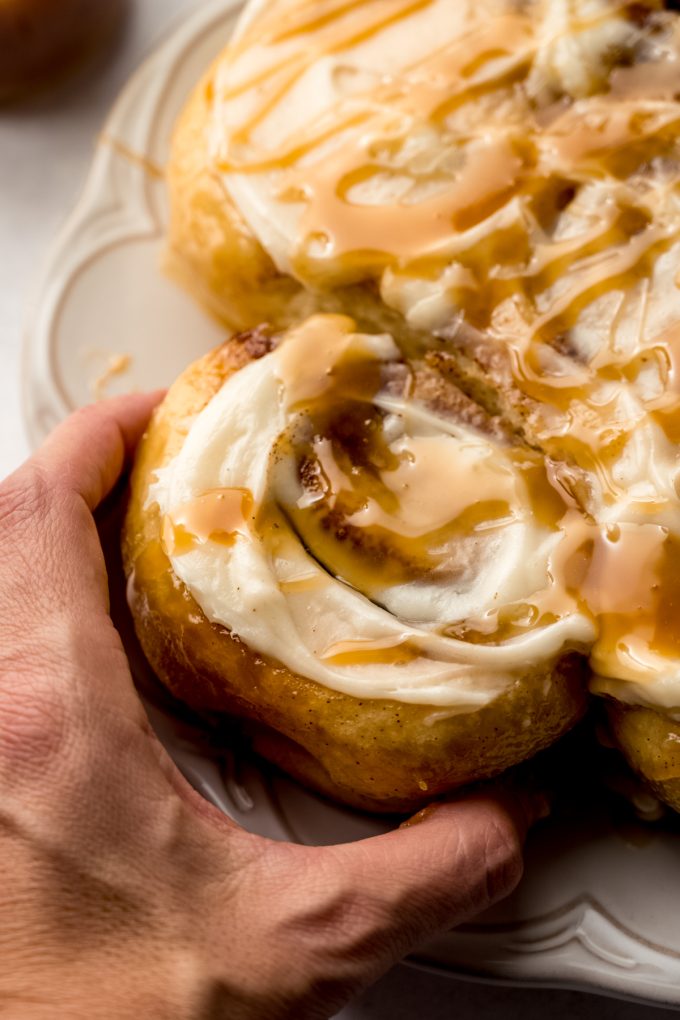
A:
(378, 754)
(650, 741)
(210, 248)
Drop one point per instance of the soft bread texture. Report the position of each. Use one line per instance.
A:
(377, 755)
(210, 248)
(650, 742)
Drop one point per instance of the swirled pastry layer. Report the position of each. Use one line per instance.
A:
(331, 509)
(328, 512)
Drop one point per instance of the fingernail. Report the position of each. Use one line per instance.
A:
(420, 816)
(535, 804)
(540, 805)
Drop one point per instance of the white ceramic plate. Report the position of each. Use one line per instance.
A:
(595, 909)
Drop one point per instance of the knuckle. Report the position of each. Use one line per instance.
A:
(97, 418)
(326, 913)
(24, 496)
(337, 925)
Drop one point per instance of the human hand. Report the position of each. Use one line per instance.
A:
(124, 893)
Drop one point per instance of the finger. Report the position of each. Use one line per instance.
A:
(86, 453)
(51, 563)
(351, 911)
(447, 864)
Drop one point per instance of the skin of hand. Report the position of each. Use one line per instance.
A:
(123, 893)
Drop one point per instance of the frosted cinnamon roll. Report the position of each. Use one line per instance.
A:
(335, 542)
(494, 183)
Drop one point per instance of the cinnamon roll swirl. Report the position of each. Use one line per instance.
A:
(335, 542)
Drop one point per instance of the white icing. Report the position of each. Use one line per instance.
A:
(569, 50)
(247, 587)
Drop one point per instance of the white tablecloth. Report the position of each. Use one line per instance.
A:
(45, 149)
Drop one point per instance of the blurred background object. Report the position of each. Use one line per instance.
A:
(42, 40)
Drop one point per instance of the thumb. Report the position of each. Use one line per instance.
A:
(51, 560)
(445, 865)
(86, 452)
(337, 917)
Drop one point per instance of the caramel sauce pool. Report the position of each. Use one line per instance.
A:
(219, 515)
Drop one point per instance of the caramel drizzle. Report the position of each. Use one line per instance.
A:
(274, 83)
(379, 652)
(361, 527)
(508, 183)
(627, 579)
(516, 175)
(380, 514)
(624, 577)
(218, 515)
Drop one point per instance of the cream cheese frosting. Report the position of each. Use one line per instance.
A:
(331, 519)
(241, 502)
(359, 138)
(507, 166)
(510, 168)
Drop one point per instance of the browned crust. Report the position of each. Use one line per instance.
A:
(210, 249)
(375, 754)
(650, 742)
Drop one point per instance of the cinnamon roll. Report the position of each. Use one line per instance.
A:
(493, 183)
(333, 541)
